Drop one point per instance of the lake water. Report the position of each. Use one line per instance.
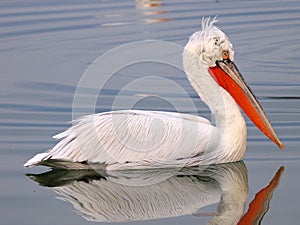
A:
(45, 47)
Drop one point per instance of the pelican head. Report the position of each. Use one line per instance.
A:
(208, 60)
(210, 44)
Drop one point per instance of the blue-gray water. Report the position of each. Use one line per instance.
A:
(45, 47)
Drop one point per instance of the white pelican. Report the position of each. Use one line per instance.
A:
(132, 139)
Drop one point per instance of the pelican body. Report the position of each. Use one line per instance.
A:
(135, 139)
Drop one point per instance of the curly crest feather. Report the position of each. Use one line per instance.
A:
(207, 22)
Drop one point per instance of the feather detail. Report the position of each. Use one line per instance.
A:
(131, 138)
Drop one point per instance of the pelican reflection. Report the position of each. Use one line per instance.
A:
(122, 196)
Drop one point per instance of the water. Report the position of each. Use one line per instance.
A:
(46, 47)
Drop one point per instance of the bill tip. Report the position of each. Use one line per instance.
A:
(281, 146)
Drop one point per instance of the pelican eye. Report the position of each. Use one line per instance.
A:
(225, 55)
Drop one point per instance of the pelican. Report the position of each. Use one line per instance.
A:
(136, 139)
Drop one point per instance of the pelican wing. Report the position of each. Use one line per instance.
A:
(132, 138)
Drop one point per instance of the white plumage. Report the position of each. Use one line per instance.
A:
(120, 138)
(132, 139)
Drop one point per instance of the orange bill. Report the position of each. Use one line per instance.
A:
(228, 76)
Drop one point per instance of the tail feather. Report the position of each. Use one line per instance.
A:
(37, 159)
